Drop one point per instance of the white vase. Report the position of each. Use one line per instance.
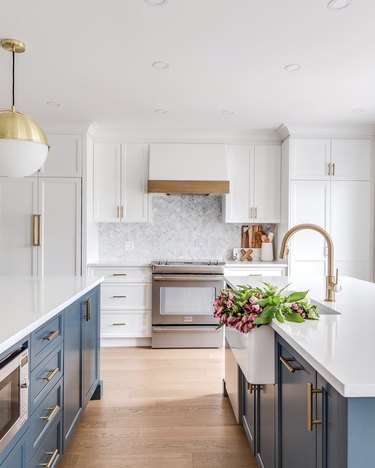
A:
(266, 254)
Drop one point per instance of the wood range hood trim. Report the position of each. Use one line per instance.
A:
(188, 186)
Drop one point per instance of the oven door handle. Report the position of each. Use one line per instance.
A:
(197, 329)
(192, 278)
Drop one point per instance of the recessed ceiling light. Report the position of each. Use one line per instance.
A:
(53, 104)
(227, 112)
(338, 4)
(161, 111)
(160, 65)
(292, 67)
(156, 2)
(358, 110)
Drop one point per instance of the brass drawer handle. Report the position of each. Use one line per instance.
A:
(51, 336)
(51, 374)
(310, 393)
(52, 414)
(119, 297)
(34, 218)
(285, 361)
(51, 460)
(119, 274)
(333, 169)
(88, 310)
(119, 324)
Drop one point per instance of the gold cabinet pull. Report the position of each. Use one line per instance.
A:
(329, 168)
(256, 212)
(119, 274)
(51, 460)
(54, 410)
(286, 362)
(51, 374)
(88, 310)
(333, 169)
(51, 336)
(310, 394)
(119, 297)
(39, 229)
(34, 218)
(118, 212)
(119, 324)
(122, 211)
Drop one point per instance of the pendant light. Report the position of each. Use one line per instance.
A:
(23, 144)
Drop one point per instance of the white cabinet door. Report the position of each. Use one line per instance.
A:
(60, 209)
(239, 201)
(18, 203)
(107, 182)
(310, 159)
(351, 227)
(134, 196)
(351, 159)
(267, 190)
(309, 204)
(64, 158)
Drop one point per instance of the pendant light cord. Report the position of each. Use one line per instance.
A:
(13, 79)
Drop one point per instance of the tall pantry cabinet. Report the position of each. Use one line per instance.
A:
(40, 216)
(330, 184)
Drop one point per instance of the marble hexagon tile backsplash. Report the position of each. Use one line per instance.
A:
(181, 227)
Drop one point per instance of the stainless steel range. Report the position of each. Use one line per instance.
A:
(183, 293)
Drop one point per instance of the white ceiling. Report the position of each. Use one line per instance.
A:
(94, 57)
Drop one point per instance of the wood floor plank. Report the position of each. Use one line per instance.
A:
(161, 409)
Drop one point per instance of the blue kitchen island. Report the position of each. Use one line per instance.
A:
(316, 405)
(53, 324)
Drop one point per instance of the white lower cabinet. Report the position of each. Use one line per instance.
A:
(256, 269)
(40, 226)
(125, 304)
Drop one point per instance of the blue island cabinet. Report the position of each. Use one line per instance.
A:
(81, 357)
(313, 427)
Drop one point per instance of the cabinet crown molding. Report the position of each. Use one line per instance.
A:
(325, 131)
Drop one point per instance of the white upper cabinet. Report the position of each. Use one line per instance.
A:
(351, 159)
(309, 159)
(254, 175)
(64, 158)
(120, 179)
(267, 187)
(338, 159)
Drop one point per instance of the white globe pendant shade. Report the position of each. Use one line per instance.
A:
(23, 144)
(21, 158)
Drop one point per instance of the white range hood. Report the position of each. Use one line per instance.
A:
(188, 168)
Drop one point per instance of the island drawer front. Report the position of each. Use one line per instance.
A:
(126, 296)
(44, 339)
(124, 325)
(44, 417)
(45, 376)
(123, 274)
(49, 452)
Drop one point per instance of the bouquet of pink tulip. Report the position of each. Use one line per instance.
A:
(250, 307)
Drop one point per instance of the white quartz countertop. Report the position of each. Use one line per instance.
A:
(120, 263)
(28, 302)
(228, 264)
(340, 347)
(255, 264)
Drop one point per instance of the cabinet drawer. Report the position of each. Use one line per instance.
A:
(254, 271)
(126, 296)
(49, 452)
(44, 418)
(44, 339)
(128, 325)
(123, 274)
(45, 376)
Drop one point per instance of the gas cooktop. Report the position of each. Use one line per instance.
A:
(186, 262)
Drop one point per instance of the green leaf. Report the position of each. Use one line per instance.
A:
(294, 317)
(279, 316)
(263, 302)
(297, 296)
(265, 316)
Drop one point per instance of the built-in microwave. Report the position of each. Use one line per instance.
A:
(14, 394)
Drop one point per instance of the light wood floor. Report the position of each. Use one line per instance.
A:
(161, 409)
